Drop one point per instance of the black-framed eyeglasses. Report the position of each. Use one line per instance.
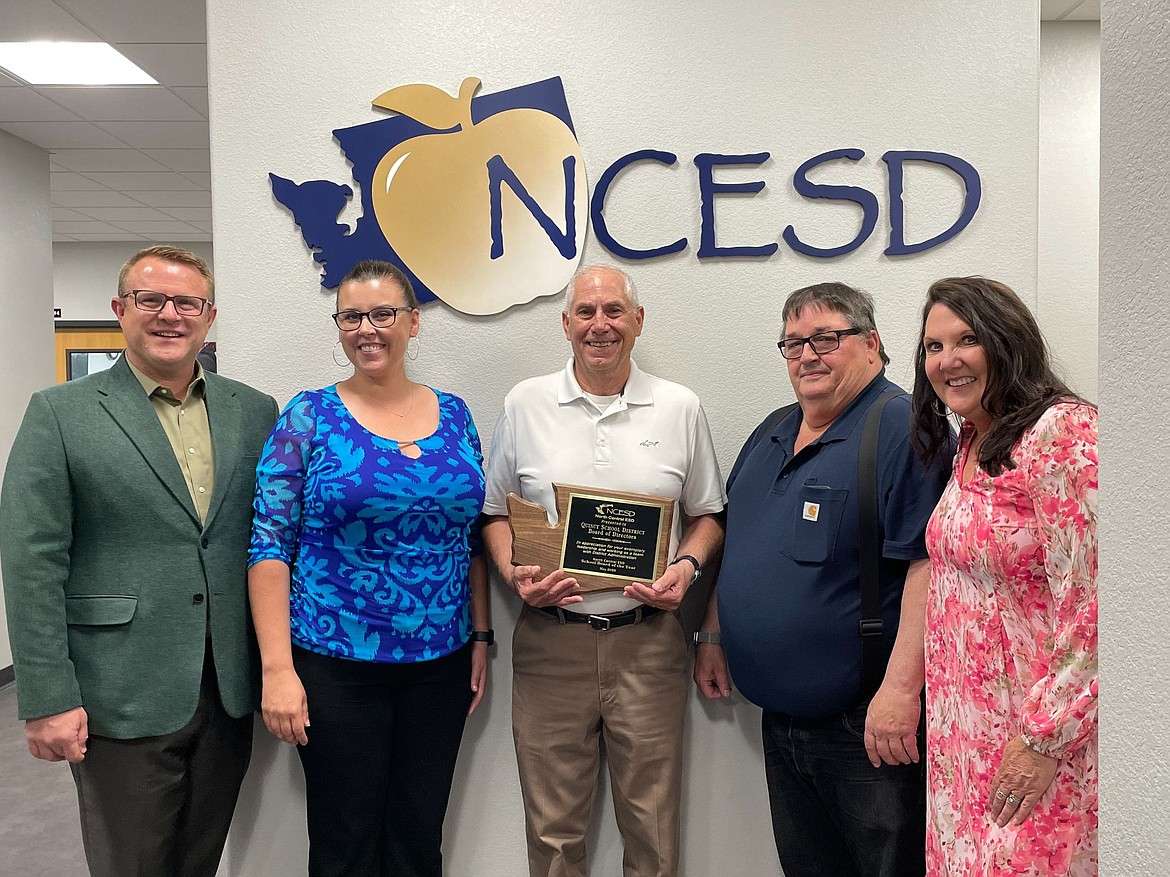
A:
(381, 318)
(149, 300)
(822, 342)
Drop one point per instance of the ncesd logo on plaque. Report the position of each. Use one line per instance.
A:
(481, 199)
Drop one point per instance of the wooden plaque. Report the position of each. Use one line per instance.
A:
(604, 538)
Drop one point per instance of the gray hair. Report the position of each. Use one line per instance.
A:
(855, 305)
(628, 283)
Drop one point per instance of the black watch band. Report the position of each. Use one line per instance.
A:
(694, 562)
(484, 636)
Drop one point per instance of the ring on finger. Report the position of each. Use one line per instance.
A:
(1012, 797)
(1001, 794)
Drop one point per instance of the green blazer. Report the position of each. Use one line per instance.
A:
(109, 577)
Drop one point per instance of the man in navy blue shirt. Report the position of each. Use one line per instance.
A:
(846, 779)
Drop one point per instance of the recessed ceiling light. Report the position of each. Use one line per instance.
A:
(53, 63)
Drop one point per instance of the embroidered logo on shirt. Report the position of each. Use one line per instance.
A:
(811, 511)
(648, 444)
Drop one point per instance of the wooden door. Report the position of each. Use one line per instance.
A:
(84, 350)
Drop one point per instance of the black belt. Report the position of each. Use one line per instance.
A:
(602, 622)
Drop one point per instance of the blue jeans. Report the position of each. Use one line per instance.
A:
(833, 813)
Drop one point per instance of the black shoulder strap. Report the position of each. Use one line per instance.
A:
(870, 538)
(772, 421)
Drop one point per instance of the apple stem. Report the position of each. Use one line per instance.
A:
(467, 91)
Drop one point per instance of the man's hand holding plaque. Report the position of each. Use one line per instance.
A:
(556, 589)
(604, 540)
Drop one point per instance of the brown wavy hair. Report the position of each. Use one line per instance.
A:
(1021, 382)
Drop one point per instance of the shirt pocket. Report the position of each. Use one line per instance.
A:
(811, 534)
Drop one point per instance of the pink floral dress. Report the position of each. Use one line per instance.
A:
(1011, 648)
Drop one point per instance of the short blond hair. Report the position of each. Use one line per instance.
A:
(168, 253)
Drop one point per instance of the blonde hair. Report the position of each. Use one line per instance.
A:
(168, 253)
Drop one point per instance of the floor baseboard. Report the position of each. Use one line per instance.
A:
(7, 675)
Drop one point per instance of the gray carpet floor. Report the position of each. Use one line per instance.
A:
(39, 830)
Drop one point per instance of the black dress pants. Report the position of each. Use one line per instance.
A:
(383, 741)
(161, 806)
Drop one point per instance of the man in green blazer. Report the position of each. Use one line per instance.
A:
(124, 528)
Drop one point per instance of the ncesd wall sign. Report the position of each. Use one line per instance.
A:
(483, 200)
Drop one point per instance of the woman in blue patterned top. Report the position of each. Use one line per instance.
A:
(369, 593)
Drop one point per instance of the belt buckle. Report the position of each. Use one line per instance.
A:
(600, 622)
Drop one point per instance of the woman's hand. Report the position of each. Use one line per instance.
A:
(479, 672)
(1023, 777)
(284, 706)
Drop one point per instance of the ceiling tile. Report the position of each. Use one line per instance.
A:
(190, 214)
(191, 198)
(62, 135)
(103, 198)
(88, 226)
(5, 79)
(64, 214)
(141, 21)
(125, 182)
(57, 237)
(1050, 10)
(203, 181)
(196, 160)
(165, 228)
(196, 97)
(123, 103)
(119, 214)
(160, 135)
(170, 63)
(43, 20)
(203, 226)
(1089, 10)
(105, 160)
(70, 182)
(25, 105)
(110, 236)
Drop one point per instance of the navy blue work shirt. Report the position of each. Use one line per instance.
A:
(789, 595)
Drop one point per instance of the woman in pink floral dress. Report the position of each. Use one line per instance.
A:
(1011, 621)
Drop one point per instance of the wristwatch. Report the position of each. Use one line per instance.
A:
(708, 636)
(694, 562)
(484, 636)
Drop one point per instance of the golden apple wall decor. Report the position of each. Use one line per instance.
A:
(482, 200)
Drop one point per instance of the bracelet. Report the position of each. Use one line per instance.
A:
(708, 636)
(1033, 744)
(484, 636)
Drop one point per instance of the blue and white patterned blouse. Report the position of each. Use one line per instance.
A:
(379, 544)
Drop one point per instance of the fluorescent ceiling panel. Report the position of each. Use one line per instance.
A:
(66, 63)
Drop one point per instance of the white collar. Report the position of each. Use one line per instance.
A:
(637, 390)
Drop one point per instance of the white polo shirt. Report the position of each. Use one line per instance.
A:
(653, 438)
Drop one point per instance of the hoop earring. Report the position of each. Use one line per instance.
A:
(412, 353)
(938, 407)
(341, 363)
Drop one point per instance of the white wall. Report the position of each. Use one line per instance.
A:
(26, 266)
(789, 77)
(1135, 386)
(85, 274)
(1070, 156)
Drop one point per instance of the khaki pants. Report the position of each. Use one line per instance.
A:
(574, 686)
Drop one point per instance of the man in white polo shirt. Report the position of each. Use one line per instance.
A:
(588, 667)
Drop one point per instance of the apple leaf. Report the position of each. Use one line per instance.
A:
(430, 105)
